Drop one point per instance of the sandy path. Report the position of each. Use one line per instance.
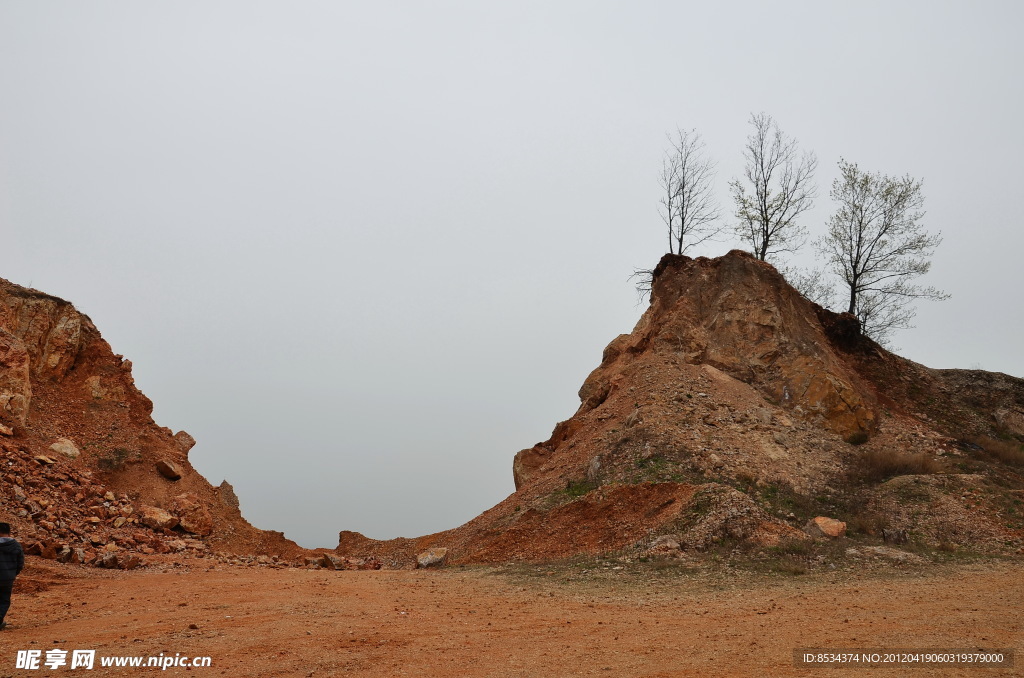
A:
(291, 622)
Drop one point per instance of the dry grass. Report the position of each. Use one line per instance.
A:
(879, 465)
(789, 565)
(867, 523)
(1007, 451)
(857, 438)
(794, 547)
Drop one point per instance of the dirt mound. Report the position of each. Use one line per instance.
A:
(737, 410)
(612, 518)
(86, 467)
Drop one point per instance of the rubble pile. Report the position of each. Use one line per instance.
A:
(74, 518)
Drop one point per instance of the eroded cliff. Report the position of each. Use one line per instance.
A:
(88, 472)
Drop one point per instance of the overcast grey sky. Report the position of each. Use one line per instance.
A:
(365, 252)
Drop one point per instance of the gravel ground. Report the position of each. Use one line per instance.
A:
(602, 618)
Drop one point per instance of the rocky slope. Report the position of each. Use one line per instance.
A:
(735, 411)
(87, 474)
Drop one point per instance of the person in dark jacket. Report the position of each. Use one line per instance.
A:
(12, 559)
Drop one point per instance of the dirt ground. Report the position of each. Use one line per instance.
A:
(597, 618)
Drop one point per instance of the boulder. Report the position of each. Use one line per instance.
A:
(666, 541)
(67, 447)
(595, 390)
(95, 388)
(892, 554)
(185, 441)
(46, 550)
(6, 430)
(432, 557)
(526, 463)
(825, 527)
(665, 545)
(168, 469)
(1010, 419)
(157, 518)
(192, 515)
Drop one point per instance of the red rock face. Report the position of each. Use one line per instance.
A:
(15, 386)
(739, 315)
(50, 329)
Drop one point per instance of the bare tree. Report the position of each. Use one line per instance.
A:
(687, 204)
(644, 278)
(779, 188)
(878, 246)
(815, 283)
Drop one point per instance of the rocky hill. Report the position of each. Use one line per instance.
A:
(734, 413)
(88, 476)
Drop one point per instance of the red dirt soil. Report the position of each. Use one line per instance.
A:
(502, 622)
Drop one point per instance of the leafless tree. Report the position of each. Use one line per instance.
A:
(779, 187)
(878, 246)
(687, 181)
(815, 284)
(644, 281)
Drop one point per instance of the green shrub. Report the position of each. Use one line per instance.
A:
(789, 565)
(578, 488)
(794, 547)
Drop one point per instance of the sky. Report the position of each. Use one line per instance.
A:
(365, 252)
